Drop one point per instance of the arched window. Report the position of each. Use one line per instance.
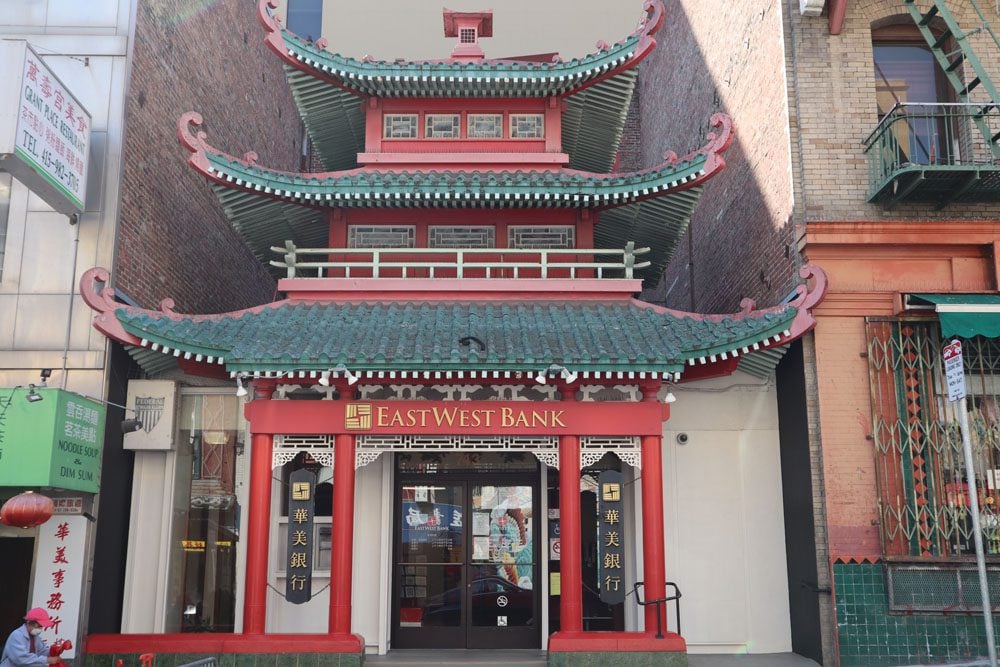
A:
(910, 85)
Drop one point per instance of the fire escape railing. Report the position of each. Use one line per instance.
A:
(491, 263)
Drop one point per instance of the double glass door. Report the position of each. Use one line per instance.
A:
(465, 571)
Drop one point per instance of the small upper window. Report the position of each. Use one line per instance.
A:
(305, 18)
(441, 126)
(527, 126)
(467, 35)
(400, 126)
(485, 126)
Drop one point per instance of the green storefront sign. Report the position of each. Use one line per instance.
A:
(53, 441)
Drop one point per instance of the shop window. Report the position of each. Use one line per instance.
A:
(527, 126)
(399, 126)
(305, 18)
(485, 126)
(206, 515)
(921, 477)
(4, 214)
(909, 81)
(441, 126)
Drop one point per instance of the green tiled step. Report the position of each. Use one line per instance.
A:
(618, 659)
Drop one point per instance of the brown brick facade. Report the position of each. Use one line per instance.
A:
(174, 240)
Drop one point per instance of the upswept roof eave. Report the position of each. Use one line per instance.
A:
(507, 78)
(642, 337)
(565, 187)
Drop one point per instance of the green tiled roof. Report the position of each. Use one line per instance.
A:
(329, 89)
(583, 336)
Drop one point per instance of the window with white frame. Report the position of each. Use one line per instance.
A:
(485, 125)
(400, 126)
(442, 126)
(527, 126)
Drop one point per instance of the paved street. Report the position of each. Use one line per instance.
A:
(428, 658)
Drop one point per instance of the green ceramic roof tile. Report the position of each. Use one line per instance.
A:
(583, 336)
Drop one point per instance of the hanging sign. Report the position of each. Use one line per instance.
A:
(954, 371)
(62, 547)
(611, 539)
(301, 509)
(44, 130)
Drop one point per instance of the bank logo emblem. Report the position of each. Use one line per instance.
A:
(148, 410)
(358, 417)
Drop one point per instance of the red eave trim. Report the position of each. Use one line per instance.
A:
(837, 10)
(458, 289)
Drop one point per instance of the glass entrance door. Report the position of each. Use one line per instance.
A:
(466, 563)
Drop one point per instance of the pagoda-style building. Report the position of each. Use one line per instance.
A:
(459, 306)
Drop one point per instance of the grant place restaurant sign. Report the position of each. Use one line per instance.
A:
(44, 130)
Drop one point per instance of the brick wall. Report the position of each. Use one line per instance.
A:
(713, 56)
(174, 239)
(836, 93)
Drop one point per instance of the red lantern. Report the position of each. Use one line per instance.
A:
(27, 510)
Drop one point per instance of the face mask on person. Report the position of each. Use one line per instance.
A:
(35, 631)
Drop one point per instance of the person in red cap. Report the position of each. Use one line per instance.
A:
(24, 647)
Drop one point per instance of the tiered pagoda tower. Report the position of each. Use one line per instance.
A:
(470, 235)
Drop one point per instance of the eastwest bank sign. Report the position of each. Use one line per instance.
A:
(44, 130)
(457, 417)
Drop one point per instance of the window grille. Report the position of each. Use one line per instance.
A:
(467, 35)
(921, 482)
(527, 126)
(381, 236)
(462, 237)
(533, 238)
(485, 125)
(400, 126)
(441, 126)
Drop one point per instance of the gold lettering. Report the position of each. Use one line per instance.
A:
(382, 413)
(522, 419)
(557, 418)
(489, 417)
(444, 415)
(397, 419)
(506, 417)
(463, 419)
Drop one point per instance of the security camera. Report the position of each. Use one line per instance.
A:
(682, 438)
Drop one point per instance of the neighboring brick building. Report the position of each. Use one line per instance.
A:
(915, 210)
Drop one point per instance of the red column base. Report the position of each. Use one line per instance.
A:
(600, 642)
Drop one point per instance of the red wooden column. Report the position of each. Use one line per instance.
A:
(258, 526)
(342, 554)
(654, 569)
(570, 558)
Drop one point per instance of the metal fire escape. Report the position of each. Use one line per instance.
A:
(955, 151)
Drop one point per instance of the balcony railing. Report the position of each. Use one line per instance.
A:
(935, 153)
(459, 262)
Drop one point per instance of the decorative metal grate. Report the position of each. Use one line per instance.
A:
(593, 448)
(939, 587)
(369, 447)
(527, 126)
(287, 447)
(441, 126)
(478, 236)
(922, 487)
(400, 126)
(485, 126)
(381, 236)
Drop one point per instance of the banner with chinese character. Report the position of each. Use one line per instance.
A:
(611, 537)
(55, 440)
(299, 563)
(44, 130)
(59, 570)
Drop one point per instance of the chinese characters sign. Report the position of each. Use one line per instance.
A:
(59, 575)
(301, 508)
(55, 442)
(45, 139)
(611, 538)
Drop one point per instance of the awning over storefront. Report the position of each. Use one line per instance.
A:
(963, 315)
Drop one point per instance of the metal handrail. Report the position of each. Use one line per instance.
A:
(675, 598)
(460, 260)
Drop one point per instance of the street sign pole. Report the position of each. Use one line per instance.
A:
(955, 377)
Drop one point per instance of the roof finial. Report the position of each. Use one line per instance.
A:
(468, 27)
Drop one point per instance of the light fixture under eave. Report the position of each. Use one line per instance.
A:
(567, 375)
(131, 425)
(33, 396)
(341, 369)
(241, 391)
(324, 378)
(669, 398)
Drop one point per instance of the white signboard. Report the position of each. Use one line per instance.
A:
(44, 130)
(62, 542)
(954, 372)
(152, 403)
